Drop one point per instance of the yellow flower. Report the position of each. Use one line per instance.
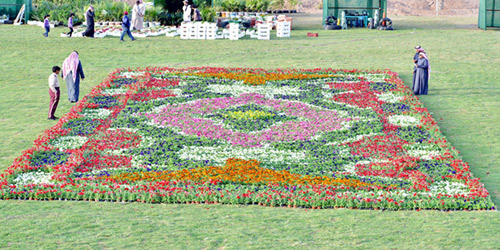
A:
(249, 115)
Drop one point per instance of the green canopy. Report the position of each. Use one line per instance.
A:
(335, 7)
(11, 8)
(489, 14)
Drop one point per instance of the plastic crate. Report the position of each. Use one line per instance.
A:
(263, 32)
(283, 29)
(184, 30)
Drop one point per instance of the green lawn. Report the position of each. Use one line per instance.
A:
(464, 99)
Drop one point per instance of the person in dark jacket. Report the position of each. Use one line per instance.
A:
(196, 14)
(89, 16)
(418, 49)
(422, 75)
(126, 27)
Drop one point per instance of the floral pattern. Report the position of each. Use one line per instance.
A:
(318, 138)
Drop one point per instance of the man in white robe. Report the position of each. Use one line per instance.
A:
(138, 16)
(187, 11)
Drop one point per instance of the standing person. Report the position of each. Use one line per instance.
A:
(418, 49)
(72, 71)
(70, 25)
(187, 11)
(46, 25)
(54, 92)
(137, 16)
(197, 14)
(126, 27)
(422, 75)
(89, 16)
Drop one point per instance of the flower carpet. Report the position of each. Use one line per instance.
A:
(318, 138)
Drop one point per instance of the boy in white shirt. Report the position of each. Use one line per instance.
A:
(54, 91)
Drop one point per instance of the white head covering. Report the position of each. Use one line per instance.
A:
(71, 65)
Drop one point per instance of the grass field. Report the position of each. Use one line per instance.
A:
(464, 99)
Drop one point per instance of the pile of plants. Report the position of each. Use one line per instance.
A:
(105, 11)
(256, 5)
(116, 30)
(318, 138)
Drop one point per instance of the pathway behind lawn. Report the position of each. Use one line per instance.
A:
(464, 99)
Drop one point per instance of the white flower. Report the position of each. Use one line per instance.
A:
(33, 178)
(423, 154)
(267, 90)
(389, 97)
(96, 113)
(126, 129)
(344, 104)
(69, 142)
(446, 187)
(130, 74)
(355, 138)
(115, 91)
(403, 120)
(375, 77)
(219, 154)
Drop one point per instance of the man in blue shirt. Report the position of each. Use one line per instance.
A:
(126, 27)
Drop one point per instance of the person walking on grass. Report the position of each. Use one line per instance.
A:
(46, 25)
(72, 71)
(126, 27)
(138, 16)
(54, 92)
(422, 75)
(89, 17)
(70, 25)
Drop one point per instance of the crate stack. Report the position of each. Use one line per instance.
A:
(211, 31)
(185, 29)
(283, 29)
(234, 31)
(193, 31)
(201, 31)
(263, 31)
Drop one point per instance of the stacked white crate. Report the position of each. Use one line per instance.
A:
(234, 30)
(185, 29)
(283, 29)
(201, 31)
(193, 31)
(263, 31)
(211, 31)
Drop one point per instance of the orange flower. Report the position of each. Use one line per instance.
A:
(238, 171)
(255, 79)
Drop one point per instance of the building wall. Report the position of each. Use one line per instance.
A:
(428, 7)
(416, 7)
